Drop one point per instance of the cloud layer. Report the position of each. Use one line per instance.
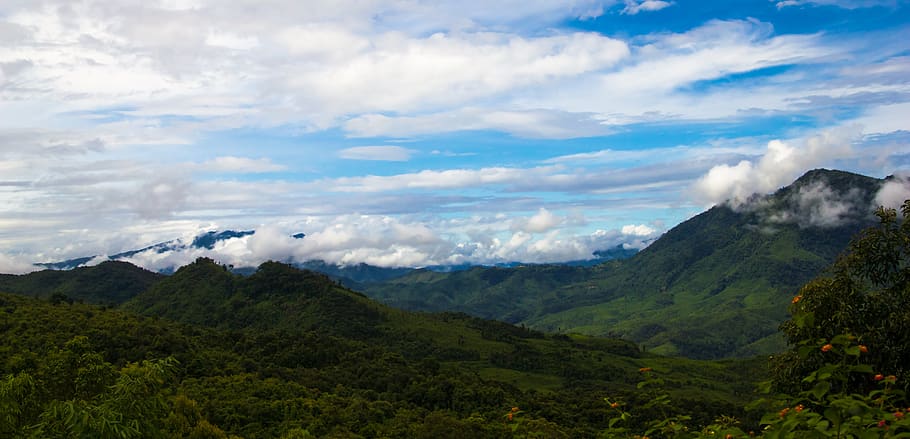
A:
(411, 132)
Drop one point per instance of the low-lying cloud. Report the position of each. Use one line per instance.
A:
(781, 163)
(389, 242)
(819, 205)
(894, 192)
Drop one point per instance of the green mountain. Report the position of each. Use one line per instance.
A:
(106, 283)
(285, 351)
(715, 286)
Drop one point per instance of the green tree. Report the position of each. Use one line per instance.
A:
(74, 393)
(867, 294)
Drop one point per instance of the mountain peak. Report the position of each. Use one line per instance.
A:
(835, 179)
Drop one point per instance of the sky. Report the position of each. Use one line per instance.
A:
(413, 133)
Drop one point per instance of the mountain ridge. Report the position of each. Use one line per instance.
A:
(713, 286)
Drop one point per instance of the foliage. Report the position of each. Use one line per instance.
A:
(828, 407)
(74, 393)
(296, 373)
(866, 294)
(109, 283)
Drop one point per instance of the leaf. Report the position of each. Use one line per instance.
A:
(861, 368)
(821, 388)
(833, 415)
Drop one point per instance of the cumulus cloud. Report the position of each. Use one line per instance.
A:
(635, 6)
(301, 67)
(894, 192)
(638, 230)
(386, 153)
(391, 242)
(781, 163)
(541, 222)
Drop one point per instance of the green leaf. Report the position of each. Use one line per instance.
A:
(821, 388)
(861, 368)
(833, 415)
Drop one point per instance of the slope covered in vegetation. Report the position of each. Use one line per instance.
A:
(714, 286)
(287, 352)
(109, 283)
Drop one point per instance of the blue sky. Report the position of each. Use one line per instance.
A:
(409, 133)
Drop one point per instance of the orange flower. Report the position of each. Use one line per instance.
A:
(645, 369)
(514, 409)
(784, 412)
(799, 408)
(728, 436)
(878, 377)
(509, 416)
(797, 298)
(827, 347)
(891, 378)
(899, 415)
(614, 405)
(863, 348)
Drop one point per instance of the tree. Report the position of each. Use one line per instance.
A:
(865, 294)
(74, 393)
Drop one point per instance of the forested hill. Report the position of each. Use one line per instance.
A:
(109, 282)
(276, 296)
(289, 353)
(714, 286)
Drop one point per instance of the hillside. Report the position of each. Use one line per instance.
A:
(714, 286)
(107, 283)
(285, 350)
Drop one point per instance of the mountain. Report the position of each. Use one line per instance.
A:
(205, 240)
(290, 353)
(276, 296)
(106, 283)
(714, 286)
(351, 275)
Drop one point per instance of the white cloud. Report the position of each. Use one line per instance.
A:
(231, 41)
(817, 205)
(393, 242)
(16, 264)
(541, 222)
(638, 230)
(430, 179)
(377, 153)
(846, 4)
(541, 124)
(635, 6)
(241, 165)
(894, 192)
(307, 67)
(655, 83)
(886, 118)
(779, 166)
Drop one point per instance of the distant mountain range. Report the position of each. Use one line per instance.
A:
(714, 286)
(349, 274)
(206, 240)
